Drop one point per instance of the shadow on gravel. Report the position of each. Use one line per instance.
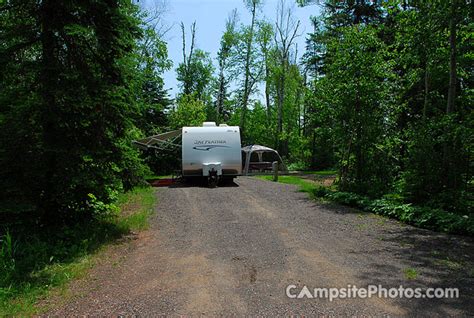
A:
(414, 258)
(201, 183)
(399, 254)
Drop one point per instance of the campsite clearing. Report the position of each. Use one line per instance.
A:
(235, 249)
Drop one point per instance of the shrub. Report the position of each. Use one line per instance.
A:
(424, 217)
(7, 259)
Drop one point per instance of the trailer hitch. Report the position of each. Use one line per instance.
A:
(213, 178)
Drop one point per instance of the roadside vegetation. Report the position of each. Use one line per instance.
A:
(323, 172)
(389, 206)
(37, 260)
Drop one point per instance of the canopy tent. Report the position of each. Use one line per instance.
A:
(257, 158)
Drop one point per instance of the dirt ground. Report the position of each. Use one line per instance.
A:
(235, 249)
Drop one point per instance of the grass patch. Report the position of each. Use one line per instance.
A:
(304, 185)
(362, 226)
(35, 260)
(156, 177)
(322, 172)
(136, 208)
(450, 264)
(410, 273)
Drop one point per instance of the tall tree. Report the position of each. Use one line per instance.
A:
(195, 72)
(249, 78)
(82, 54)
(264, 38)
(152, 62)
(452, 56)
(286, 31)
(228, 41)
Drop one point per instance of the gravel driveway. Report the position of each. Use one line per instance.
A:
(234, 250)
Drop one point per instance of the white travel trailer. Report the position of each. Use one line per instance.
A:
(210, 151)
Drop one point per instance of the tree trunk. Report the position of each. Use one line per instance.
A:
(188, 59)
(358, 146)
(221, 95)
(452, 60)
(447, 161)
(281, 96)
(427, 91)
(48, 204)
(267, 92)
(246, 94)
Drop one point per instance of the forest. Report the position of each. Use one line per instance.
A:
(382, 92)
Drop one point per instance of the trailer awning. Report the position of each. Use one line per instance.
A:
(159, 141)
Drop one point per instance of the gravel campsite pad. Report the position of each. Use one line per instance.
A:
(235, 249)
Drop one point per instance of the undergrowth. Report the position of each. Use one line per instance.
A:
(420, 216)
(36, 259)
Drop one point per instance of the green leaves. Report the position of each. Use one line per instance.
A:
(7, 260)
(69, 111)
(378, 101)
(189, 112)
(424, 217)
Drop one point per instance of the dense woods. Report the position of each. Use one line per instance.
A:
(78, 83)
(382, 92)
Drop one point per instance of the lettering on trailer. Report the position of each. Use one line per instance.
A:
(208, 142)
(206, 145)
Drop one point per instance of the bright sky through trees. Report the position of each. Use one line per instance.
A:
(210, 17)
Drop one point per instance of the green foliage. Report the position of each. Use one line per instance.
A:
(7, 259)
(444, 182)
(424, 217)
(66, 143)
(358, 63)
(420, 216)
(377, 104)
(87, 83)
(189, 112)
(100, 207)
(375, 107)
(298, 166)
(410, 273)
(259, 132)
(195, 75)
(33, 260)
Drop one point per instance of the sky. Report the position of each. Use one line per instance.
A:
(210, 17)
